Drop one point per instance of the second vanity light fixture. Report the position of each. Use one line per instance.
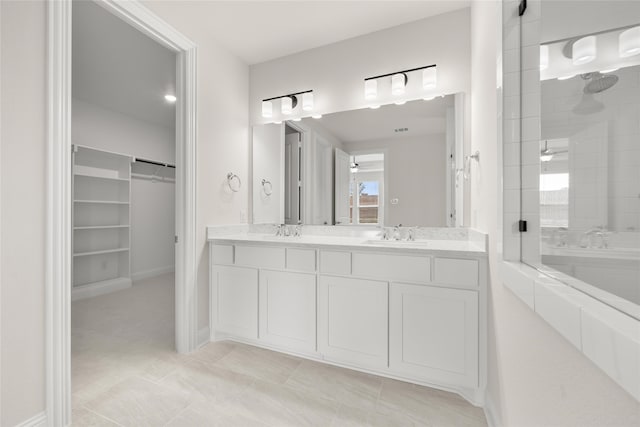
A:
(399, 80)
(288, 103)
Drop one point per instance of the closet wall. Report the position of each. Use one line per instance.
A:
(152, 203)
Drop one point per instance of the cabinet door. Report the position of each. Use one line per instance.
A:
(353, 321)
(288, 309)
(234, 300)
(434, 334)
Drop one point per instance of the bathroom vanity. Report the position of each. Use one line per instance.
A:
(411, 310)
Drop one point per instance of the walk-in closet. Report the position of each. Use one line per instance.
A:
(123, 210)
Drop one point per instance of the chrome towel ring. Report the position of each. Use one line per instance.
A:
(234, 182)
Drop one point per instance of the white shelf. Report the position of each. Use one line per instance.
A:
(106, 178)
(103, 202)
(100, 227)
(106, 251)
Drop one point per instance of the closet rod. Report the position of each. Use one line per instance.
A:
(152, 162)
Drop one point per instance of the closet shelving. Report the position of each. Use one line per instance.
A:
(101, 221)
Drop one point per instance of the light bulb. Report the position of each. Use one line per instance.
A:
(629, 42)
(267, 109)
(544, 57)
(307, 101)
(429, 78)
(584, 50)
(287, 105)
(397, 84)
(370, 89)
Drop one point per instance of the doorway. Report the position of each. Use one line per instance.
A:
(59, 247)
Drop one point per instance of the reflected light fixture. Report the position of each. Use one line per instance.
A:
(170, 98)
(429, 78)
(286, 105)
(629, 42)
(544, 57)
(584, 50)
(307, 101)
(398, 83)
(370, 89)
(267, 109)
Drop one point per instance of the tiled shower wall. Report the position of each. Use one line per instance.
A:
(521, 130)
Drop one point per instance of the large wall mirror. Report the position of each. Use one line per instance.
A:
(393, 165)
(589, 150)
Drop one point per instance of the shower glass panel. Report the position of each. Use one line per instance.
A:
(588, 193)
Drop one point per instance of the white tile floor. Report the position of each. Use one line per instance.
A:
(124, 372)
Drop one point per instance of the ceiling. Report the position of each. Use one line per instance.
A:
(418, 117)
(117, 67)
(259, 31)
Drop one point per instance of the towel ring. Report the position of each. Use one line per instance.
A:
(267, 187)
(232, 178)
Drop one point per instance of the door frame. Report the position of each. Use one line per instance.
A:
(58, 255)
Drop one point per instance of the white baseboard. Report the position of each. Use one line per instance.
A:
(100, 288)
(203, 336)
(140, 275)
(490, 412)
(38, 420)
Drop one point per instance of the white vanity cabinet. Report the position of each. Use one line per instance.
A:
(433, 333)
(288, 309)
(353, 321)
(407, 314)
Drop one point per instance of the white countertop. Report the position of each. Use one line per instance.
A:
(418, 246)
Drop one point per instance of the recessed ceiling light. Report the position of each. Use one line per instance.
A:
(170, 98)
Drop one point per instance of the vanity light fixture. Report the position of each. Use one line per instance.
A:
(399, 80)
(584, 50)
(288, 103)
(170, 98)
(370, 89)
(267, 109)
(307, 101)
(629, 42)
(544, 57)
(429, 78)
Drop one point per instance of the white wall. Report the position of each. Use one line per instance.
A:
(223, 135)
(152, 204)
(536, 377)
(22, 269)
(415, 169)
(336, 72)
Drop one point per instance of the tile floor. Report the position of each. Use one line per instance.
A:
(125, 373)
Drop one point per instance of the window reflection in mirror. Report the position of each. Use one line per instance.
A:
(589, 183)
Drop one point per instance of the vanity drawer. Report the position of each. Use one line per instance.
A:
(392, 267)
(333, 262)
(222, 254)
(301, 259)
(260, 257)
(461, 272)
